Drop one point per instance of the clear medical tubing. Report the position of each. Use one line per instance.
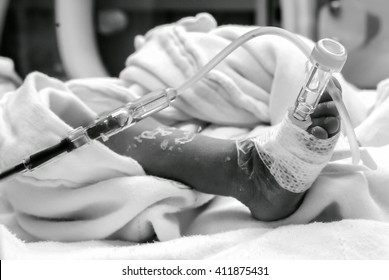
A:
(237, 43)
(352, 138)
(304, 49)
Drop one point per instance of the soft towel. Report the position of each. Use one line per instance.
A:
(344, 240)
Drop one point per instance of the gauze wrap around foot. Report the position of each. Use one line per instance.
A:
(292, 155)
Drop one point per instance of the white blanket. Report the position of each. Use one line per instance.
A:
(94, 195)
(348, 239)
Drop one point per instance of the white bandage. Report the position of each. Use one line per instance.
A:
(292, 155)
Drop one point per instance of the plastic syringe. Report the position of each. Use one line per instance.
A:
(102, 128)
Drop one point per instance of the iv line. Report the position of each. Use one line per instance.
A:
(129, 114)
(352, 138)
(237, 43)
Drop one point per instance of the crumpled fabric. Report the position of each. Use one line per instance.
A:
(91, 193)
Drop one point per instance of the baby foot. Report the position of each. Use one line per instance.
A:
(325, 119)
(277, 170)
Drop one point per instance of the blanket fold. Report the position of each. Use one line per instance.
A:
(91, 193)
(256, 83)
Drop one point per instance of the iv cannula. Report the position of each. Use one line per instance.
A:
(131, 113)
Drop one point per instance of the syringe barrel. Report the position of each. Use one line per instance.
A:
(328, 56)
(129, 114)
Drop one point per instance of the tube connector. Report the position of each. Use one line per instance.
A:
(328, 56)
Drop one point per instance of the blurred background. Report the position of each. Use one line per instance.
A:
(104, 30)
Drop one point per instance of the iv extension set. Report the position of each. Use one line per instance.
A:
(328, 56)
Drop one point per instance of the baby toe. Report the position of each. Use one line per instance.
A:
(331, 125)
(325, 109)
(318, 132)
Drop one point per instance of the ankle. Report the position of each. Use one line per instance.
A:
(277, 168)
(256, 188)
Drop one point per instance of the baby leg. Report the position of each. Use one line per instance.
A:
(213, 165)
